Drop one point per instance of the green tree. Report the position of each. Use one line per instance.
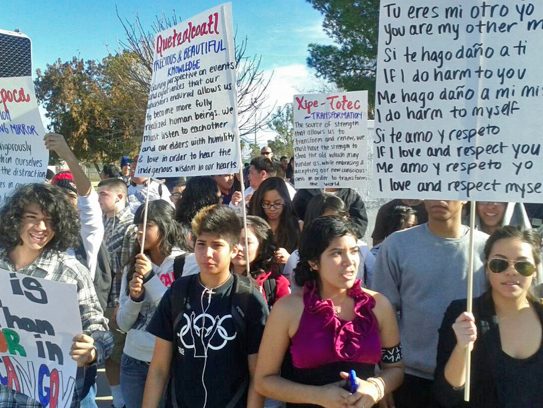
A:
(90, 105)
(254, 150)
(351, 62)
(282, 122)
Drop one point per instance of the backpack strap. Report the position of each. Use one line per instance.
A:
(243, 292)
(180, 302)
(103, 274)
(178, 265)
(270, 289)
(180, 298)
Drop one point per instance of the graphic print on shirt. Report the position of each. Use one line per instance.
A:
(204, 332)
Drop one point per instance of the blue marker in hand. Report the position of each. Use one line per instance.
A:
(352, 380)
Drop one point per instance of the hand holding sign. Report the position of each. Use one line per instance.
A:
(136, 287)
(465, 330)
(236, 198)
(143, 265)
(142, 268)
(57, 143)
(83, 351)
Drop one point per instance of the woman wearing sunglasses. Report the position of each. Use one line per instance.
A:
(505, 331)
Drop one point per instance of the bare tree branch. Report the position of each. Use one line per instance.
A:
(251, 82)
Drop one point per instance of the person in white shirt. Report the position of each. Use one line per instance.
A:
(260, 169)
(84, 198)
(137, 190)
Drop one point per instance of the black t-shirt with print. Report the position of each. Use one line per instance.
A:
(208, 328)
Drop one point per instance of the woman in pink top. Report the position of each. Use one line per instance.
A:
(333, 327)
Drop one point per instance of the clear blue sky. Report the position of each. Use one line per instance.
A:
(279, 30)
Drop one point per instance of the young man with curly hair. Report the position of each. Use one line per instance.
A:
(37, 225)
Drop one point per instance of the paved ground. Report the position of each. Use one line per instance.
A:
(103, 398)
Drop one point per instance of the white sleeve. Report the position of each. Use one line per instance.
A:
(92, 228)
(291, 191)
(238, 208)
(293, 260)
(128, 310)
(165, 194)
(191, 266)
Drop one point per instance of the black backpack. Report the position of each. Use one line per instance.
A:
(243, 290)
(178, 265)
(103, 277)
(270, 289)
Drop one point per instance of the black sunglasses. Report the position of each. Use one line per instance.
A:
(499, 265)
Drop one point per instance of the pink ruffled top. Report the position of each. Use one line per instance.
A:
(323, 338)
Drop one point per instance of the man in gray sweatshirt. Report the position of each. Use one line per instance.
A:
(421, 270)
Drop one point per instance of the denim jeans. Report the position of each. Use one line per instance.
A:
(133, 376)
(90, 399)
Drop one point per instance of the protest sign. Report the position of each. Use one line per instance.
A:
(38, 320)
(191, 126)
(23, 156)
(458, 101)
(330, 134)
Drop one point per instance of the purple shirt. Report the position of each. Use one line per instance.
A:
(323, 338)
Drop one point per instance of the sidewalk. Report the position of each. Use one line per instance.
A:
(103, 399)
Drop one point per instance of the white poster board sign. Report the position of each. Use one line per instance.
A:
(330, 135)
(191, 127)
(23, 156)
(38, 320)
(459, 101)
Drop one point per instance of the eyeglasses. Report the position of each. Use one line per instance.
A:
(499, 265)
(176, 195)
(273, 205)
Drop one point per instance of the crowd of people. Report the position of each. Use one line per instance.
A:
(188, 307)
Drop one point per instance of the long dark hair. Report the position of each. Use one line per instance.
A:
(316, 237)
(528, 236)
(200, 192)
(162, 214)
(265, 260)
(288, 232)
(397, 218)
(53, 203)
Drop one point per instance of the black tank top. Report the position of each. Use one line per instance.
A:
(519, 382)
